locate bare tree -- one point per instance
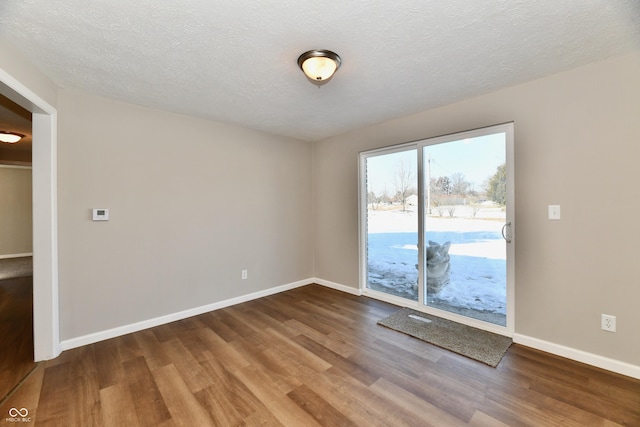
(459, 185)
(405, 179)
(372, 200)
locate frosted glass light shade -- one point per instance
(319, 65)
(319, 68)
(10, 137)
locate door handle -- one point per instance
(508, 236)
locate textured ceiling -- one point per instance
(235, 61)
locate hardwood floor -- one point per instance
(16, 332)
(312, 357)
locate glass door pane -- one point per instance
(391, 230)
(464, 215)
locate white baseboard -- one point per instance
(146, 324)
(15, 255)
(549, 347)
(336, 286)
(602, 362)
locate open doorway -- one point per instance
(16, 246)
(46, 328)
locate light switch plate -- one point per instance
(554, 211)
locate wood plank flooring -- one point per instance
(312, 356)
(16, 332)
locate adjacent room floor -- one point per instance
(307, 357)
(16, 332)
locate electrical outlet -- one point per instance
(608, 323)
(244, 274)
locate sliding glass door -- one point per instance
(437, 227)
(464, 215)
(391, 222)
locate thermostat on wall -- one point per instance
(101, 214)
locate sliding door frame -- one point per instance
(508, 130)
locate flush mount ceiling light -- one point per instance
(319, 65)
(10, 137)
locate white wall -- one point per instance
(192, 203)
(577, 144)
(13, 63)
(15, 210)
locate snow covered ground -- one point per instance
(478, 259)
